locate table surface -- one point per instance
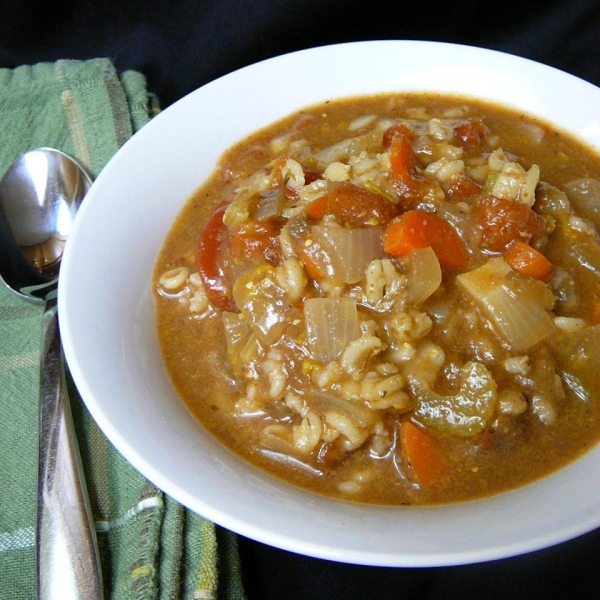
(182, 45)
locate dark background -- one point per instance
(182, 44)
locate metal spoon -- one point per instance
(39, 197)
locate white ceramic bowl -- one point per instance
(108, 329)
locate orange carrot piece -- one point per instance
(420, 455)
(318, 208)
(420, 229)
(527, 260)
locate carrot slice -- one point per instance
(421, 229)
(317, 209)
(420, 455)
(527, 260)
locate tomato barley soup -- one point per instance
(392, 299)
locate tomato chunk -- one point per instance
(470, 133)
(354, 207)
(409, 186)
(256, 241)
(212, 242)
(504, 221)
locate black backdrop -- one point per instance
(182, 44)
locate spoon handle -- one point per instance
(67, 552)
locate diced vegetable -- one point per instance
(504, 221)
(464, 414)
(424, 275)
(402, 156)
(551, 201)
(470, 133)
(578, 354)
(563, 286)
(353, 206)
(209, 254)
(276, 437)
(236, 330)
(421, 229)
(370, 142)
(256, 241)
(269, 204)
(584, 195)
(350, 250)
(421, 458)
(462, 187)
(524, 259)
(516, 314)
(355, 410)
(331, 324)
(395, 130)
(265, 305)
(315, 258)
(575, 247)
(408, 185)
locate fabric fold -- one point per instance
(151, 546)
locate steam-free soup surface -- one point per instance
(392, 299)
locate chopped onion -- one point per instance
(269, 205)
(515, 314)
(370, 142)
(276, 442)
(551, 201)
(350, 250)
(578, 355)
(354, 410)
(264, 304)
(236, 330)
(277, 438)
(534, 132)
(331, 324)
(584, 195)
(424, 275)
(574, 385)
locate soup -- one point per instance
(392, 299)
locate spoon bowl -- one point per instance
(39, 198)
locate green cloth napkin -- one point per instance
(151, 546)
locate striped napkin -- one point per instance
(151, 547)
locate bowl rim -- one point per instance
(73, 319)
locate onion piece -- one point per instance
(584, 195)
(578, 354)
(350, 250)
(264, 304)
(331, 324)
(370, 142)
(424, 275)
(236, 330)
(354, 410)
(270, 204)
(516, 315)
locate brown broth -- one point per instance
(195, 354)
